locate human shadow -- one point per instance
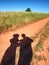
(9, 56)
(26, 52)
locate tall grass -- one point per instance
(10, 19)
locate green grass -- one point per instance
(11, 19)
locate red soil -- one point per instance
(29, 30)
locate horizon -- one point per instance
(41, 6)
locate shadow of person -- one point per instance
(9, 56)
(25, 51)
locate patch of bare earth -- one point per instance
(29, 30)
(45, 53)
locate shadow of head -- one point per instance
(23, 35)
(15, 39)
(26, 39)
(15, 36)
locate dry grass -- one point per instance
(16, 19)
(44, 33)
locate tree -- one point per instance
(28, 10)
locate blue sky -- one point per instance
(21, 5)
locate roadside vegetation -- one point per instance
(44, 33)
(17, 19)
(43, 36)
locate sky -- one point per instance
(22, 5)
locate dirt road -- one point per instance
(29, 30)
